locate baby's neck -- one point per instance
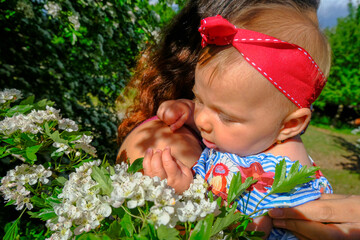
(292, 148)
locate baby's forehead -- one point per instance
(229, 67)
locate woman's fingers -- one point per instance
(332, 196)
(185, 170)
(328, 209)
(315, 230)
(147, 162)
(152, 164)
(171, 168)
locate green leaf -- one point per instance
(92, 236)
(230, 218)
(237, 188)
(114, 230)
(55, 136)
(202, 229)
(136, 166)
(127, 225)
(166, 233)
(152, 231)
(295, 177)
(44, 214)
(120, 212)
(43, 103)
(2, 152)
(102, 177)
(31, 152)
(19, 109)
(61, 180)
(280, 173)
(28, 100)
(38, 202)
(9, 141)
(12, 232)
(144, 233)
(11, 202)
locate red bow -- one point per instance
(287, 66)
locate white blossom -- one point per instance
(52, 8)
(8, 95)
(138, 199)
(207, 207)
(30, 123)
(13, 184)
(74, 19)
(68, 125)
(61, 147)
(159, 216)
(188, 212)
(84, 144)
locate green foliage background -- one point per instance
(340, 97)
(81, 68)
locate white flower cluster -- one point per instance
(13, 184)
(74, 19)
(84, 206)
(82, 143)
(52, 8)
(9, 95)
(169, 208)
(197, 206)
(29, 123)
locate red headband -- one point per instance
(287, 66)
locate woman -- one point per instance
(167, 72)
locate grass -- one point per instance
(334, 151)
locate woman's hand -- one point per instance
(176, 113)
(331, 217)
(163, 165)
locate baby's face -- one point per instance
(234, 110)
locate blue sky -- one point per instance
(330, 10)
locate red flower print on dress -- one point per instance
(265, 179)
(218, 181)
(318, 173)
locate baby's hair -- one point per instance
(279, 21)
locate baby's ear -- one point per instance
(295, 123)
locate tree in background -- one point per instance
(342, 92)
(78, 54)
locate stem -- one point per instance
(130, 213)
(258, 205)
(29, 187)
(186, 230)
(247, 202)
(22, 213)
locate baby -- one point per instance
(253, 93)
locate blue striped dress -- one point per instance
(218, 168)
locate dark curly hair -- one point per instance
(166, 71)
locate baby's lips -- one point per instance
(208, 144)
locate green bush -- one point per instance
(77, 53)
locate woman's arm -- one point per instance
(331, 217)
